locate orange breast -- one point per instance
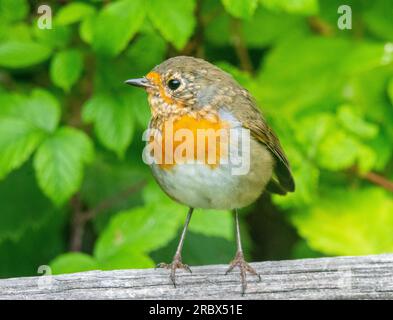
(188, 138)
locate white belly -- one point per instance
(201, 186)
(198, 185)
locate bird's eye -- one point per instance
(173, 84)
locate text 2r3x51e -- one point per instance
(218, 309)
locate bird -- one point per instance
(193, 96)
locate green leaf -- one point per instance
(383, 148)
(23, 207)
(366, 56)
(307, 176)
(301, 250)
(73, 12)
(66, 68)
(126, 258)
(348, 222)
(302, 158)
(59, 163)
(13, 54)
(73, 262)
(217, 34)
(141, 228)
(337, 143)
(298, 64)
(86, 29)
(369, 92)
(45, 232)
(240, 8)
(43, 110)
(324, 64)
(108, 177)
(378, 18)
(354, 123)
(213, 223)
(146, 51)
(199, 249)
(367, 158)
(340, 150)
(13, 10)
(57, 37)
(24, 123)
(116, 24)
(113, 121)
(20, 32)
(306, 7)
(173, 18)
(153, 194)
(140, 107)
(18, 140)
(275, 25)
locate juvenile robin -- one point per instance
(191, 95)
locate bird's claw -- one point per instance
(176, 264)
(244, 267)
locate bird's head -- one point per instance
(182, 83)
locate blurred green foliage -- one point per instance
(74, 192)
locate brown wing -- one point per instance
(243, 106)
(263, 133)
(253, 119)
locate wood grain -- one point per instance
(367, 277)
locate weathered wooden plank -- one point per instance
(368, 277)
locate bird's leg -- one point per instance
(177, 261)
(239, 261)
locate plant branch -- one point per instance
(77, 224)
(378, 180)
(240, 46)
(112, 201)
(195, 45)
(81, 217)
(319, 26)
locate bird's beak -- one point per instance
(140, 82)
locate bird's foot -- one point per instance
(176, 264)
(244, 268)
